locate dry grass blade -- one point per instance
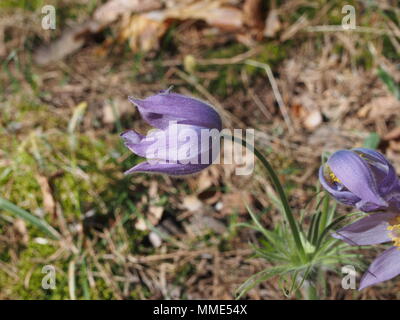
(275, 89)
(28, 217)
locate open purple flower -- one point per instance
(362, 178)
(182, 142)
(374, 229)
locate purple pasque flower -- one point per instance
(363, 178)
(374, 229)
(181, 144)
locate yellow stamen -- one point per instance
(394, 229)
(334, 178)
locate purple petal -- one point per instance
(135, 142)
(367, 231)
(345, 197)
(356, 176)
(385, 173)
(366, 206)
(393, 198)
(375, 155)
(174, 169)
(158, 110)
(178, 142)
(384, 267)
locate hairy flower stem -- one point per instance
(278, 186)
(324, 215)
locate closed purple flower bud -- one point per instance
(362, 178)
(182, 143)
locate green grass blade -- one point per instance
(325, 213)
(315, 232)
(311, 228)
(260, 277)
(372, 141)
(259, 226)
(390, 83)
(28, 217)
(329, 227)
(84, 280)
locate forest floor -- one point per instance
(153, 236)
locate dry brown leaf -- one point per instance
(202, 223)
(235, 202)
(144, 31)
(153, 217)
(393, 134)
(228, 18)
(272, 24)
(111, 10)
(253, 14)
(20, 228)
(215, 13)
(192, 203)
(380, 107)
(48, 200)
(74, 38)
(363, 112)
(204, 181)
(70, 41)
(155, 214)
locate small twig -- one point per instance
(71, 280)
(275, 89)
(300, 24)
(254, 96)
(103, 272)
(233, 60)
(216, 269)
(218, 61)
(178, 254)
